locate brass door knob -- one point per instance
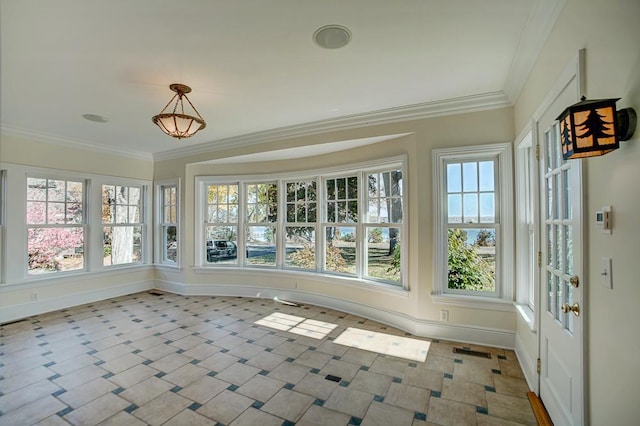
(574, 281)
(566, 308)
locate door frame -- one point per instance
(574, 70)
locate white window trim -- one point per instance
(503, 300)
(84, 225)
(15, 231)
(527, 202)
(158, 234)
(320, 174)
(146, 218)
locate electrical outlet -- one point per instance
(444, 315)
(34, 296)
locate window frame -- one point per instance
(361, 170)
(160, 247)
(142, 223)
(527, 208)
(202, 218)
(245, 225)
(502, 299)
(83, 224)
(284, 202)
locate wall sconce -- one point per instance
(592, 128)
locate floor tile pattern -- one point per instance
(165, 359)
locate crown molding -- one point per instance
(540, 23)
(71, 143)
(466, 104)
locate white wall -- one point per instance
(610, 33)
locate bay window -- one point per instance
(311, 222)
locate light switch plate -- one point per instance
(606, 272)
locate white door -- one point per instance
(561, 298)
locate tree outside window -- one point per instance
(471, 225)
(383, 224)
(300, 229)
(122, 224)
(55, 225)
(340, 231)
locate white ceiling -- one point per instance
(253, 66)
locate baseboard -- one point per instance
(527, 363)
(15, 312)
(419, 327)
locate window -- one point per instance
(300, 224)
(474, 238)
(384, 225)
(262, 216)
(339, 229)
(527, 245)
(221, 225)
(55, 221)
(122, 220)
(312, 223)
(168, 223)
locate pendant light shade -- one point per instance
(177, 123)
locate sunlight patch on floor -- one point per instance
(297, 325)
(387, 344)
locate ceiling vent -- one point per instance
(332, 36)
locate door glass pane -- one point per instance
(567, 193)
(558, 283)
(549, 245)
(550, 292)
(558, 247)
(568, 265)
(548, 151)
(555, 201)
(549, 199)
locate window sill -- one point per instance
(307, 275)
(66, 277)
(167, 267)
(527, 315)
(475, 302)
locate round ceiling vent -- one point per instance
(332, 36)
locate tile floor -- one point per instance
(191, 360)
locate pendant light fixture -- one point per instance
(176, 123)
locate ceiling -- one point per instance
(254, 68)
